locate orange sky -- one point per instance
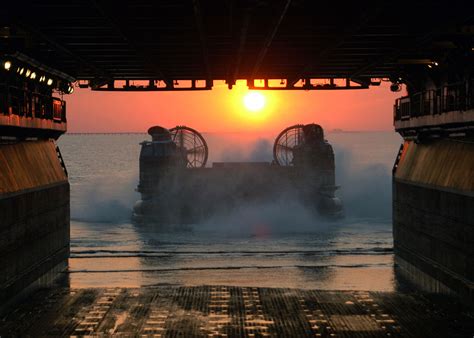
(223, 110)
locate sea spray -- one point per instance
(364, 189)
(107, 199)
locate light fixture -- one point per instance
(29, 70)
(7, 65)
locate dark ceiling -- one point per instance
(100, 40)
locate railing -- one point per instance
(454, 97)
(23, 102)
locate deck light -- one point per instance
(7, 65)
(20, 70)
(33, 76)
(70, 89)
(42, 78)
(49, 82)
(28, 72)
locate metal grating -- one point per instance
(226, 311)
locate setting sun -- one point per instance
(254, 101)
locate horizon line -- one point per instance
(335, 130)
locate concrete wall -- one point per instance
(34, 216)
(433, 216)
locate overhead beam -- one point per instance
(338, 40)
(417, 44)
(307, 85)
(101, 74)
(149, 63)
(269, 39)
(203, 39)
(393, 56)
(240, 51)
(151, 86)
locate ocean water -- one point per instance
(275, 244)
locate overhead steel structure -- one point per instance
(48, 47)
(186, 44)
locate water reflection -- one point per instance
(273, 247)
(345, 256)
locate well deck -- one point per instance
(222, 311)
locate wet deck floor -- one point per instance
(222, 311)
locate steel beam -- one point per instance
(309, 86)
(416, 44)
(337, 41)
(151, 87)
(203, 39)
(240, 51)
(150, 63)
(269, 39)
(101, 73)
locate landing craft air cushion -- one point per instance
(176, 187)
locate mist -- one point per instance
(365, 190)
(106, 199)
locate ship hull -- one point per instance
(194, 194)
